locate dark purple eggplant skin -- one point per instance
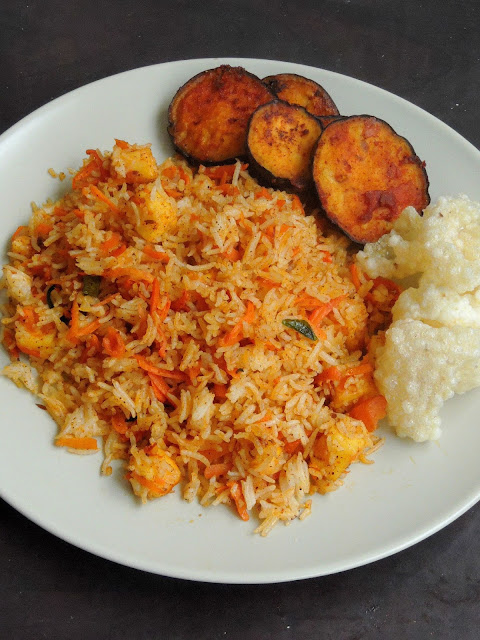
(279, 82)
(264, 176)
(192, 159)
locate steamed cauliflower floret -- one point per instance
(158, 214)
(134, 163)
(422, 366)
(432, 348)
(438, 306)
(443, 245)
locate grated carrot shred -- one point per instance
(237, 495)
(113, 343)
(156, 255)
(77, 443)
(19, 230)
(354, 271)
(216, 470)
(99, 195)
(163, 373)
(235, 334)
(112, 242)
(322, 312)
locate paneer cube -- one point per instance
(134, 163)
(157, 213)
(335, 450)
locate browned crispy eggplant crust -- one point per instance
(280, 141)
(302, 91)
(365, 175)
(326, 120)
(208, 115)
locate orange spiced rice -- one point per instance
(198, 329)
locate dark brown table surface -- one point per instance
(425, 51)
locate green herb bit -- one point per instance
(91, 285)
(301, 326)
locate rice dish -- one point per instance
(200, 330)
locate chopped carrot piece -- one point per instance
(43, 228)
(235, 334)
(118, 251)
(215, 454)
(329, 374)
(30, 352)
(308, 302)
(292, 447)
(327, 257)
(370, 411)
(216, 470)
(228, 189)
(220, 390)
(297, 204)
(223, 172)
(88, 328)
(164, 373)
(19, 231)
(112, 242)
(268, 284)
(105, 300)
(83, 173)
(99, 195)
(354, 271)
(193, 372)
(159, 386)
(237, 495)
(322, 312)
(155, 295)
(113, 343)
(157, 487)
(75, 331)
(10, 344)
(233, 255)
(249, 316)
(122, 144)
(156, 255)
(163, 312)
(180, 304)
(119, 424)
(77, 443)
(170, 172)
(268, 416)
(263, 193)
(173, 193)
(390, 285)
(359, 370)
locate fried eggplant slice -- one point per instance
(365, 175)
(296, 89)
(208, 116)
(280, 141)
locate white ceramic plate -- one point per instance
(409, 493)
